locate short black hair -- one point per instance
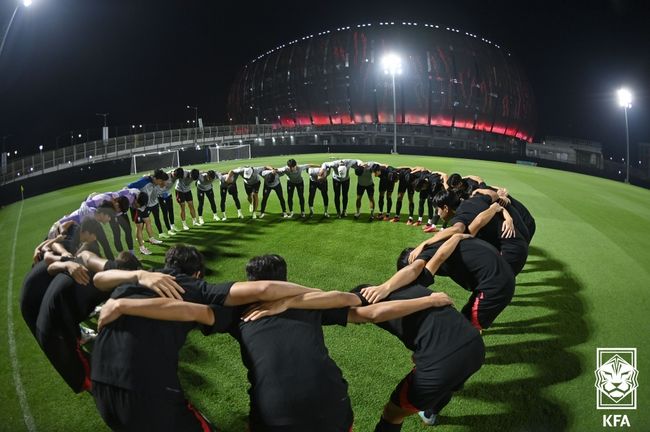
(266, 267)
(179, 172)
(454, 180)
(127, 261)
(91, 226)
(159, 174)
(448, 198)
(403, 258)
(123, 203)
(185, 259)
(212, 175)
(142, 199)
(292, 163)
(194, 174)
(358, 170)
(376, 167)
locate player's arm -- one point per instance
(155, 308)
(411, 272)
(58, 248)
(476, 178)
(260, 291)
(308, 300)
(76, 271)
(484, 218)
(162, 284)
(390, 310)
(457, 228)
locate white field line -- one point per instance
(18, 383)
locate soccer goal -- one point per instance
(230, 152)
(150, 161)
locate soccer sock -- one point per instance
(429, 221)
(398, 207)
(420, 219)
(384, 426)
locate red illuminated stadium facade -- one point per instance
(450, 79)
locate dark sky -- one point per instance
(145, 60)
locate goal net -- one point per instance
(230, 152)
(150, 161)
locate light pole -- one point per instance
(196, 120)
(625, 101)
(40, 149)
(392, 65)
(105, 129)
(25, 3)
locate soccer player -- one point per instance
(405, 186)
(341, 182)
(184, 193)
(166, 203)
(295, 385)
(120, 222)
(252, 182)
(135, 359)
(388, 176)
(317, 181)
(447, 350)
(228, 185)
(272, 183)
(102, 214)
(475, 265)
(203, 189)
(499, 229)
(293, 171)
(365, 183)
(427, 183)
(56, 296)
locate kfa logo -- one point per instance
(616, 378)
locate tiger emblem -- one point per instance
(616, 378)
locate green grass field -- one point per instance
(586, 285)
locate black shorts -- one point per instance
(182, 197)
(427, 385)
(515, 252)
(370, 189)
(139, 215)
(252, 188)
(165, 410)
(338, 419)
(386, 185)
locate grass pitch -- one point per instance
(585, 286)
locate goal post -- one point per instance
(229, 152)
(150, 161)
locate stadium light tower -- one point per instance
(392, 65)
(196, 120)
(625, 101)
(24, 3)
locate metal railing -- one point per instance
(127, 145)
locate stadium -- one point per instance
(460, 104)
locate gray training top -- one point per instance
(295, 177)
(334, 166)
(366, 179)
(204, 183)
(184, 184)
(254, 178)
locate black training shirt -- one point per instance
(141, 354)
(432, 334)
(293, 379)
(475, 264)
(467, 212)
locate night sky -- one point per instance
(143, 61)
